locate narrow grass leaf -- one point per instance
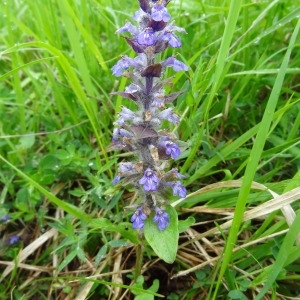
(254, 159)
(67, 260)
(34, 62)
(88, 39)
(231, 21)
(286, 249)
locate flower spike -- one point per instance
(138, 129)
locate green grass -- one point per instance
(240, 117)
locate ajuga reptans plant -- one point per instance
(140, 131)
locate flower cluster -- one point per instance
(140, 131)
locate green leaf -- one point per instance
(155, 285)
(144, 294)
(164, 243)
(69, 208)
(183, 225)
(236, 294)
(101, 253)
(67, 260)
(49, 162)
(64, 156)
(80, 254)
(26, 141)
(144, 297)
(118, 243)
(100, 223)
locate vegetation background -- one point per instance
(240, 116)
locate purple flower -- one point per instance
(5, 218)
(120, 133)
(128, 27)
(116, 179)
(123, 64)
(137, 15)
(132, 88)
(176, 64)
(179, 189)
(161, 218)
(147, 37)
(171, 38)
(149, 181)
(138, 218)
(167, 114)
(13, 239)
(174, 174)
(160, 13)
(126, 167)
(172, 149)
(125, 115)
(158, 100)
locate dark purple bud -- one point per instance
(149, 181)
(161, 218)
(179, 189)
(176, 64)
(157, 26)
(145, 5)
(13, 239)
(138, 219)
(135, 45)
(128, 27)
(152, 71)
(116, 179)
(147, 37)
(160, 13)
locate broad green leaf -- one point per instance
(49, 161)
(164, 243)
